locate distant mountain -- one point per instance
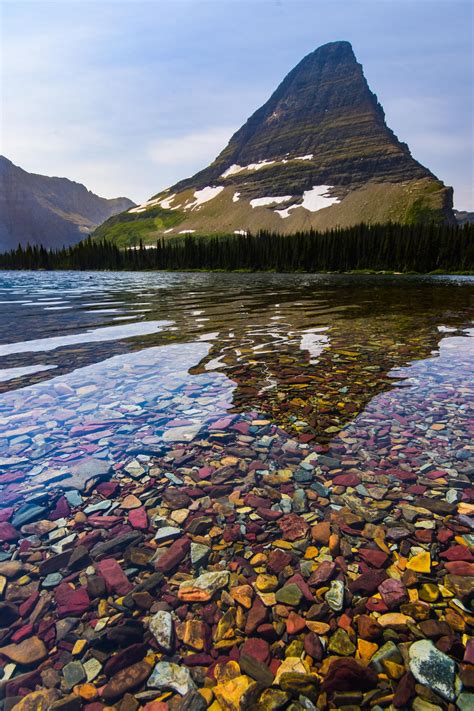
(49, 211)
(462, 216)
(317, 154)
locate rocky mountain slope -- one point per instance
(49, 211)
(317, 154)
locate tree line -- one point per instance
(390, 247)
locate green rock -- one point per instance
(289, 595)
(341, 644)
(73, 673)
(294, 649)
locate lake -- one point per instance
(324, 420)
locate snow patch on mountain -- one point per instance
(313, 200)
(204, 195)
(261, 202)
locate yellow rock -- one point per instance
(86, 691)
(311, 552)
(207, 695)
(243, 594)
(280, 543)
(365, 649)
(413, 595)
(37, 701)
(79, 646)
(465, 508)
(318, 627)
(229, 694)
(266, 583)
(225, 672)
(24, 580)
(102, 608)
(394, 670)
(3, 583)
(293, 665)
(421, 563)
(258, 559)
(429, 592)
(394, 619)
(268, 599)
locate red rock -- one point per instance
(375, 604)
(114, 577)
(444, 535)
(293, 527)
(367, 583)
(232, 533)
(460, 567)
(107, 488)
(257, 649)
(27, 607)
(71, 602)
(346, 675)
(8, 534)
(404, 691)
(350, 479)
(295, 623)
(22, 633)
(424, 536)
(277, 560)
(124, 658)
(61, 510)
(313, 646)
(138, 518)
(6, 514)
(269, 515)
(457, 553)
(174, 555)
(156, 706)
(393, 593)
(322, 574)
(373, 556)
(368, 628)
(256, 616)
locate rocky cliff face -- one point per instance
(49, 211)
(318, 154)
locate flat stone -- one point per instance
(289, 595)
(30, 651)
(202, 588)
(125, 680)
(73, 674)
(433, 668)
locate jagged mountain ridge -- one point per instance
(318, 154)
(37, 209)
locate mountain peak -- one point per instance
(317, 153)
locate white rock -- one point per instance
(432, 668)
(167, 675)
(161, 627)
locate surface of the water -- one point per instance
(115, 366)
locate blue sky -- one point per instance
(128, 96)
